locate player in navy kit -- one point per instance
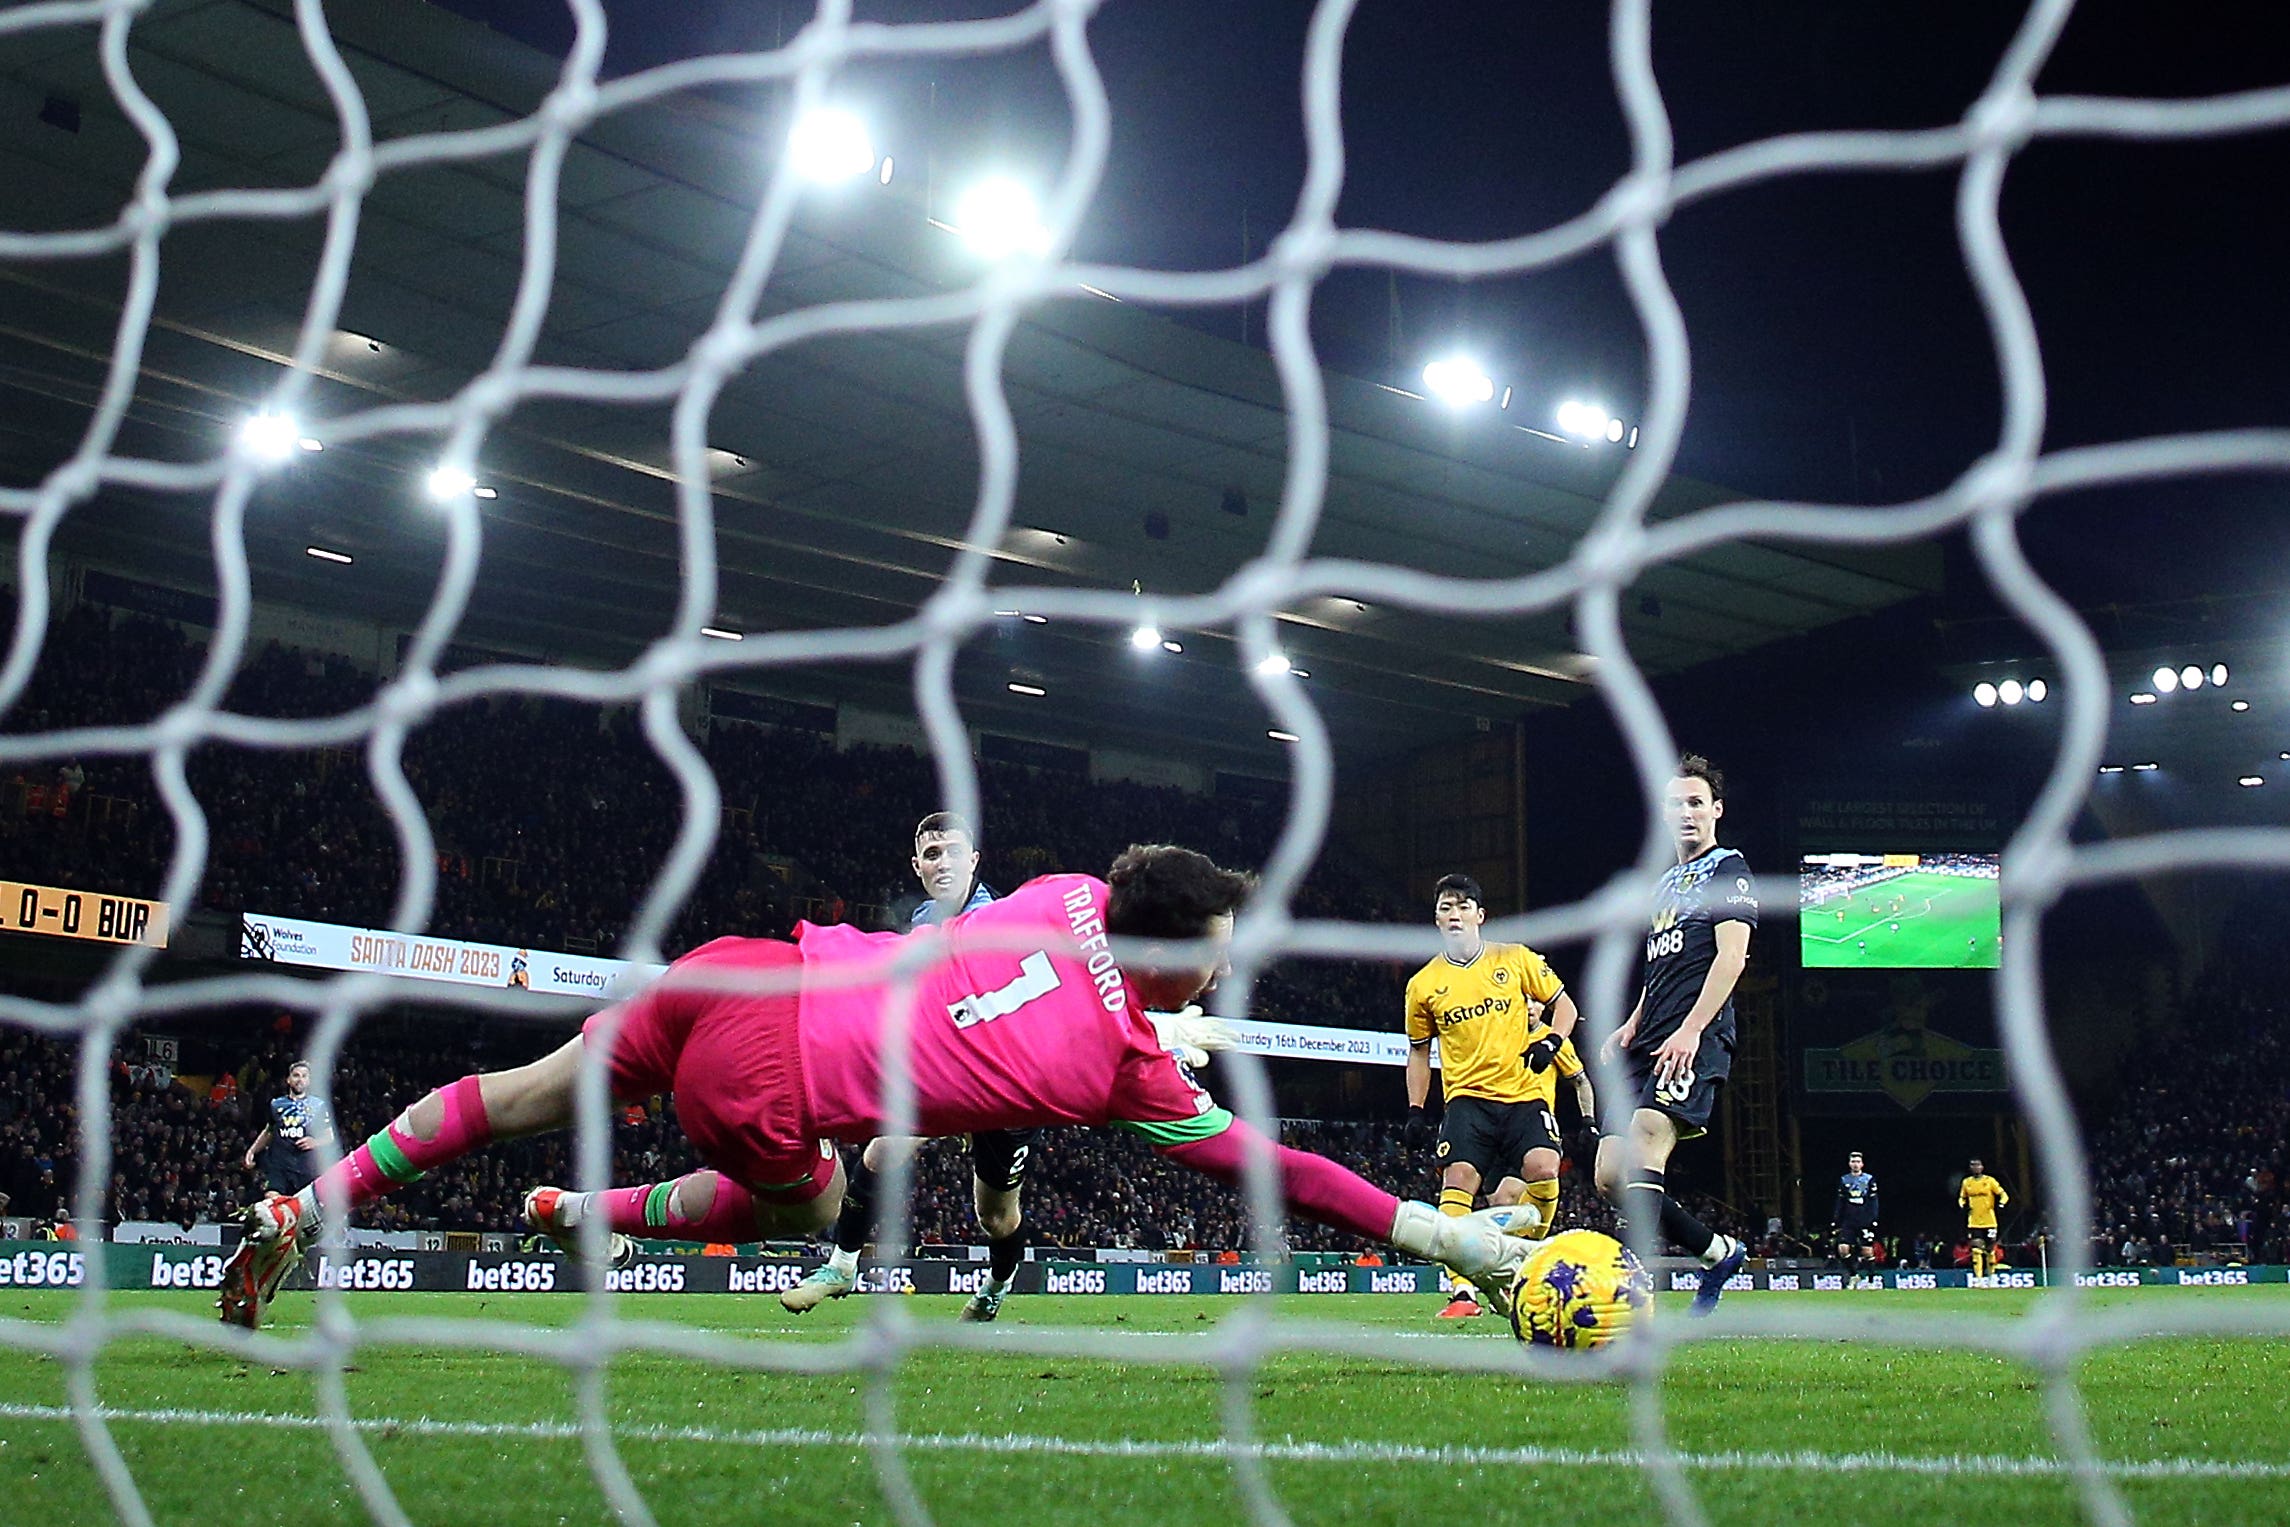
(1856, 1216)
(946, 862)
(287, 1148)
(1676, 1048)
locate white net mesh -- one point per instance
(1619, 546)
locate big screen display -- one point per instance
(1892, 911)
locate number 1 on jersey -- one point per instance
(1036, 978)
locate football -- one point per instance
(1580, 1289)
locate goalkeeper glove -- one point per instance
(1540, 1055)
(1190, 1035)
(1417, 1132)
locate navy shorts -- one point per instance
(1692, 1100)
(1000, 1156)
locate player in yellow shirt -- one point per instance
(1980, 1198)
(1485, 1003)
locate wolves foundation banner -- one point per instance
(416, 957)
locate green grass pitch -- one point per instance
(1013, 1439)
(1919, 920)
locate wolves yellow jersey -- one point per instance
(1543, 1089)
(1980, 1197)
(1478, 1012)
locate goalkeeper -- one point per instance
(1023, 1017)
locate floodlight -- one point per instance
(830, 145)
(311, 443)
(1280, 736)
(2145, 768)
(1458, 382)
(2190, 677)
(269, 437)
(1984, 694)
(883, 175)
(999, 218)
(1035, 620)
(2239, 705)
(721, 635)
(1145, 638)
(450, 483)
(2111, 768)
(2218, 674)
(2143, 698)
(327, 554)
(1614, 431)
(1034, 690)
(2038, 690)
(2010, 692)
(2249, 780)
(1587, 421)
(2166, 680)
(1172, 646)
(1273, 666)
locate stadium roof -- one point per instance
(847, 466)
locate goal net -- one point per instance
(750, 319)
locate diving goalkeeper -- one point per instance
(1026, 1019)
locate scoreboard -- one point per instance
(81, 914)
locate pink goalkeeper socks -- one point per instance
(652, 1210)
(396, 1156)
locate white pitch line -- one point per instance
(1992, 1465)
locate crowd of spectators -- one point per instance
(551, 819)
(2193, 1154)
(178, 1145)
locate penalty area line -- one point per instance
(1991, 1465)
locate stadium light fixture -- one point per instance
(2239, 705)
(2143, 698)
(2038, 691)
(1035, 620)
(1984, 695)
(2251, 781)
(2218, 674)
(1035, 690)
(1172, 646)
(830, 145)
(448, 483)
(722, 635)
(1278, 735)
(883, 175)
(1274, 666)
(2010, 692)
(1588, 422)
(269, 437)
(325, 554)
(2111, 768)
(2145, 768)
(2286, 757)
(1458, 381)
(2166, 680)
(482, 492)
(2190, 677)
(311, 443)
(1145, 638)
(999, 218)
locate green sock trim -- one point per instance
(656, 1205)
(391, 1160)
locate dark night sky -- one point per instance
(1838, 349)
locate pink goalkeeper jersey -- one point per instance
(1041, 1030)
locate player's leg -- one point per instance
(1470, 1154)
(1538, 1169)
(839, 1274)
(1646, 1200)
(706, 1205)
(443, 1126)
(998, 1160)
(1475, 1246)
